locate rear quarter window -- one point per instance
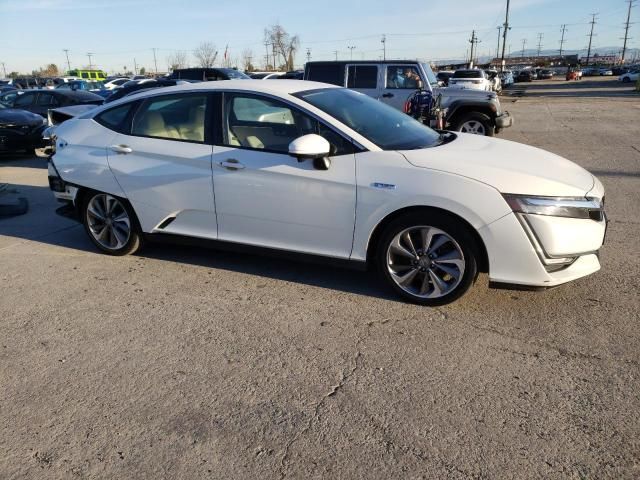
(115, 118)
(326, 73)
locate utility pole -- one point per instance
(474, 42)
(308, 54)
(540, 35)
(90, 64)
(66, 51)
(351, 48)
(498, 49)
(266, 61)
(335, 52)
(524, 42)
(4, 70)
(504, 35)
(592, 22)
(626, 30)
(564, 29)
(135, 67)
(384, 47)
(155, 62)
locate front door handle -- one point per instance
(121, 149)
(387, 95)
(232, 164)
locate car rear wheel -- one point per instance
(475, 123)
(110, 223)
(626, 79)
(429, 258)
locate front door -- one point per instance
(266, 197)
(164, 165)
(400, 81)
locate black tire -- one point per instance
(453, 228)
(133, 239)
(484, 120)
(626, 80)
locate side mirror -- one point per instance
(311, 147)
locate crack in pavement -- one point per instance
(344, 378)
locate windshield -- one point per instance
(231, 73)
(431, 77)
(468, 74)
(388, 128)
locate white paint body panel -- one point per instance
(561, 236)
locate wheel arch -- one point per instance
(376, 234)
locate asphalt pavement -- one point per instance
(192, 363)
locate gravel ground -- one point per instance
(192, 363)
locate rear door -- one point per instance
(400, 81)
(163, 164)
(44, 102)
(364, 79)
(26, 101)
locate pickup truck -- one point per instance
(394, 81)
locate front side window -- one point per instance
(388, 128)
(267, 124)
(175, 117)
(402, 76)
(24, 100)
(362, 76)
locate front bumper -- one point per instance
(504, 120)
(518, 258)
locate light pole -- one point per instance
(155, 62)
(4, 70)
(90, 64)
(384, 47)
(351, 49)
(66, 51)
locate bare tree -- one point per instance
(178, 59)
(247, 57)
(284, 46)
(206, 54)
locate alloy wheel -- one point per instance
(108, 221)
(425, 262)
(473, 126)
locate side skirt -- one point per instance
(168, 238)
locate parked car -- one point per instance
(467, 110)
(631, 76)
(93, 87)
(473, 78)
(7, 97)
(506, 77)
(363, 183)
(545, 74)
(605, 72)
(292, 75)
(444, 76)
(115, 82)
(265, 75)
(20, 130)
(7, 88)
(617, 71)
(206, 74)
(590, 71)
(136, 86)
(525, 76)
(40, 101)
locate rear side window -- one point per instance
(47, 100)
(362, 76)
(175, 117)
(326, 73)
(114, 118)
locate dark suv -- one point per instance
(206, 74)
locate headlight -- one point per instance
(572, 207)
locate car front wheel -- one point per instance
(429, 259)
(110, 223)
(475, 123)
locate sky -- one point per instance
(34, 33)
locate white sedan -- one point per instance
(631, 76)
(307, 168)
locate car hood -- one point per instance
(15, 116)
(509, 167)
(470, 93)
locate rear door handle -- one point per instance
(387, 95)
(232, 164)
(121, 149)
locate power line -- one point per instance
(626, 29)
(592, 22)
